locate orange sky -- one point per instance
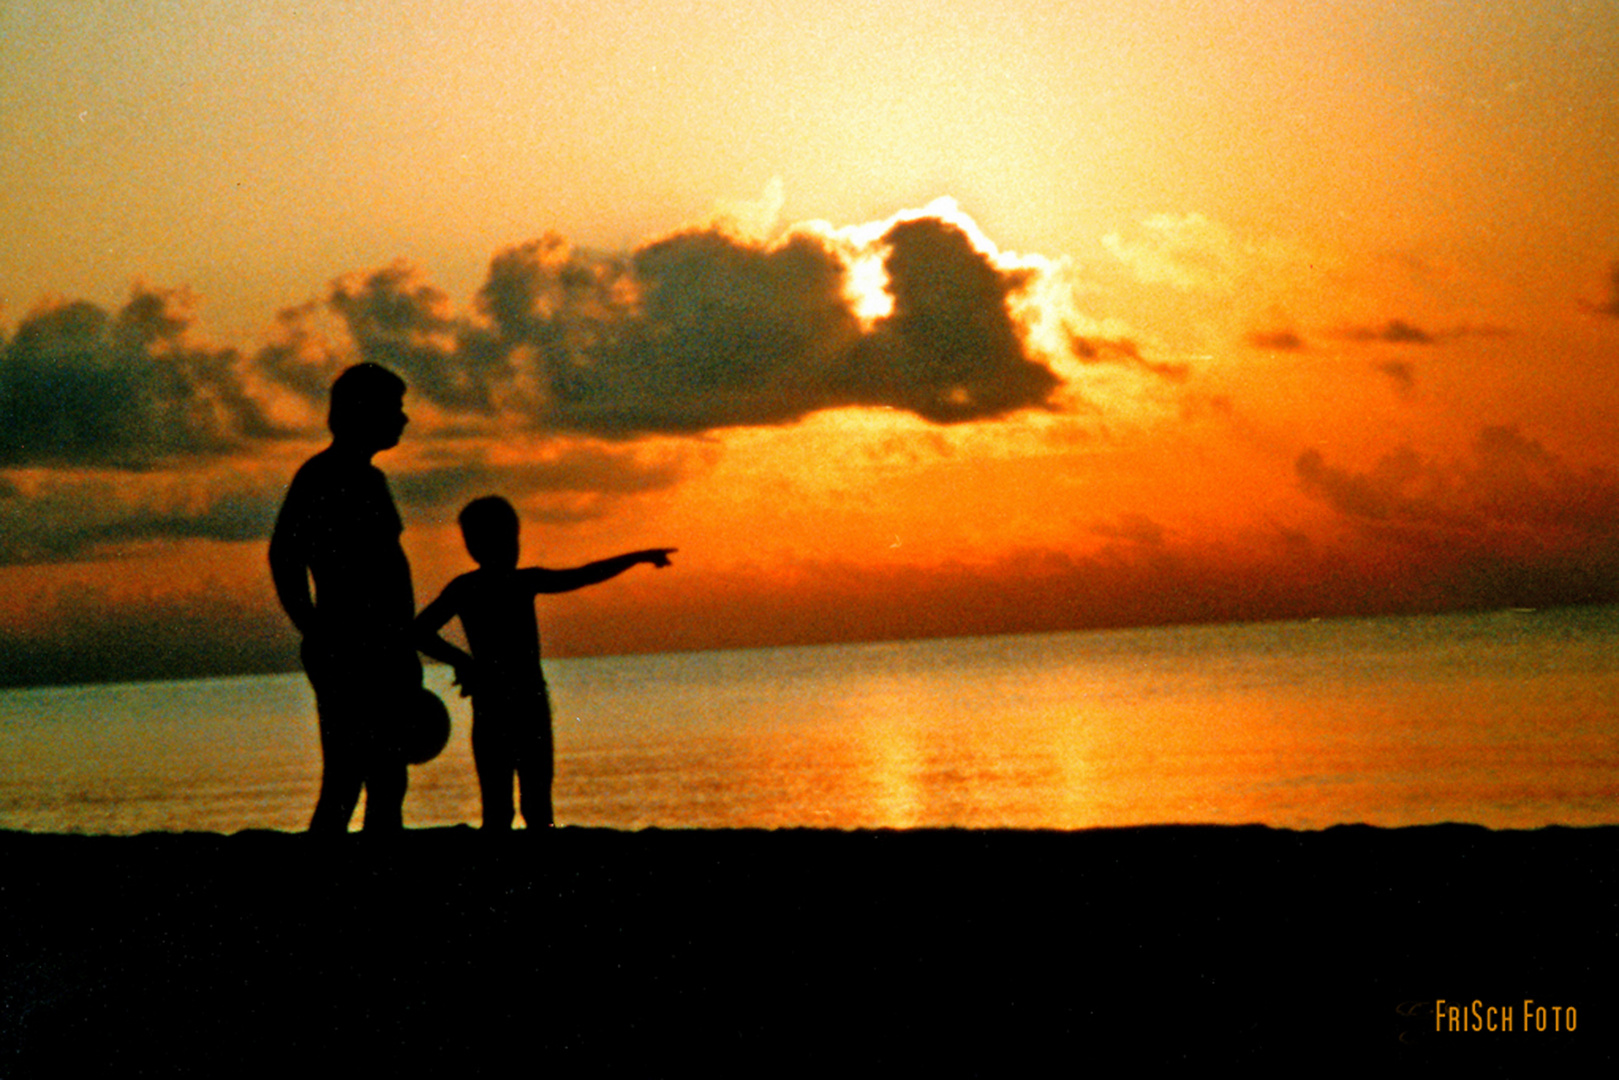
(895, 319)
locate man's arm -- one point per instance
(541, 580)
(290, 572)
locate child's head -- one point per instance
(489, 527)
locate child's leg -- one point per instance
(536, 771)
(492, 758)
(536, 767)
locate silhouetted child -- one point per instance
(511, 711)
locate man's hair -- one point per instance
(486, 519)
(360, 388)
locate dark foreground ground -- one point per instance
(591, 952)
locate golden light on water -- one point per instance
(1288, 725)
(890, 762)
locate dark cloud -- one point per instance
(1138, 529)
(1401, 373)
(69, 515)
(1124, 352)
(1145, 580)
(694, 332)
(1277, 340)
(1610, 306)
(96, 636)
(65, 515)
(1392, 332)
(1401, 332)
(1512, 526)
(703, 330)
(1144, 576)
(697, 331)
(407, 325)
(300, 358)
(950, 350)
(586, 477)
(1365, 497)
(1395, 332)
(1513, 501)
(233, 517)
(82, 387)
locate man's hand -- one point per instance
(314, 631)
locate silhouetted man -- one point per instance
(339, 526)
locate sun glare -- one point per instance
(864, 253)
(866, 288)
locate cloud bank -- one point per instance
(701, 330)
(706, 330)
(55, 517)
(575, 357)
(1513, 525)
(82, 387)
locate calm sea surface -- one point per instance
(1506, 719)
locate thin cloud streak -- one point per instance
(1277, 340)
(1404, 332)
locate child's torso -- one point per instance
(503, 634)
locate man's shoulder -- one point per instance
(332, 487)
(329, 479)
(328, 469)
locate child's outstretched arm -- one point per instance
(542, 580)
(429, 641)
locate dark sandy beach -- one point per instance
(592, 952)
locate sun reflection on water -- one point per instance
(1388, 722)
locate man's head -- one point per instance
(489, 526)
(368, 408)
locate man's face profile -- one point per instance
(390, 422)
(375, 423)
(368, 408)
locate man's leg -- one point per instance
(342, 741)
(342, 774)
(385, 784)
(386, 777)
(386, 695)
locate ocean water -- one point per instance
(1508, 719)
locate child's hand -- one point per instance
(658, 557)
(466, 677)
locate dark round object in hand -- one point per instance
(425, 729)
